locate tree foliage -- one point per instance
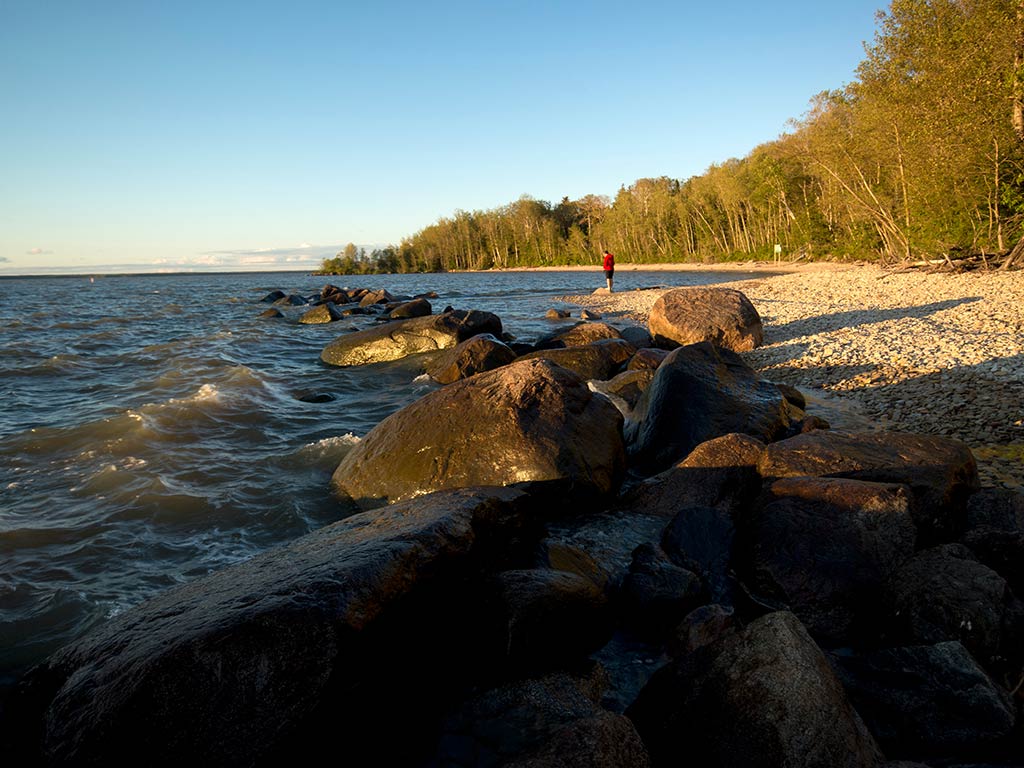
(922, 153)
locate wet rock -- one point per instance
(589, 314)
(811, 423)
(324, 313)
(480, 353)
(826, 549)
(549, 721)
(656, 592)
(314, 397)
(925, 699)
(401, 338)
(648, 357)
(427, 295)
(765, 696)
(544, 619)
(793, 395)
(556, 314)
(350, 311)
(271, 313)
(291, 300)
(597, 360)
(530, 421)
(273, 296)
(256, 659)
(940, 472)
(701, 392)
(414, 308)
(376, 297)
(559, 556)
(722, 316)
(943, 594)
(577, 335)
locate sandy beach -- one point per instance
(911, 351)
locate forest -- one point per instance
(920, 156)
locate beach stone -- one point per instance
(925, 698)
(577, 335)
(596, 360)
(764, 696)
(324, 313)
(480, 353)
(722, 316)
(941, 472)
(542, 722)
(530, 421)
(556, 314)
(648, 357)
(826, 549)
(414, 308)
(401, 338)
(543, 619)
(271, 313)
(256, 658)
(273, 296)
(943, 594)
(700, 392)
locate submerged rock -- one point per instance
(327, 312)
(722, 316)
(530, 421)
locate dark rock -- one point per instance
(700, 539)
(944, 594)
(722, 316)
(637, 336)
(530, 421)
(765, 696)
(271, 313)
(273, 296)
(324, 313)
(556, 314)
(520, 347)
(656, 593)
(550, 721)
(577, 335)
(995, 533)
(940, 472)
(349, 311)
(314, 397)
(427, 295)
(544, 619)
(291, 300)
(701, 392)
(925, 699)
(826, 548)
(792, 395)
(376, 297)
(598, 360)
(648, 357)
(589, 314)
(408, 337)
(811, 423)
(414, 308)
(475, 355)
(701, 627)
(624, 389)
(559, 556)
(258, 658)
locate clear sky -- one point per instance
(146, 135)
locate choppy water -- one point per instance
(155, 429)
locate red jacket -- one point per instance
(609, 261)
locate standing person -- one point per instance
(609, 269)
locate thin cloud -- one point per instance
(37, 252)
(303, 251)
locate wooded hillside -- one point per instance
(922, 155)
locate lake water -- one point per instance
(154, 428)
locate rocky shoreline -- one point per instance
(938, 354)
(616, 547)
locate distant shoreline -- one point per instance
(725, 266)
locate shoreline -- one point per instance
(780, 267)
(938, 354)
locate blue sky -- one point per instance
(147, 136)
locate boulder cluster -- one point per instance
(588, 551)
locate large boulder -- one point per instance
(826, 549)
(925, 699)
(722, 316)
(529, 421)
(401, 338)
(765, 696)
(941, 472)
(544, 722)
(577, 335)
(256, 659)
(598, 360)
(700, 392)
(475, 355)
(327, 312)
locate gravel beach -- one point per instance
(910, 351)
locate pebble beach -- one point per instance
(910, 351)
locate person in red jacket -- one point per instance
(609, 269)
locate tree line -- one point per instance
(922, 155)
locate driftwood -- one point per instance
(951, 262)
